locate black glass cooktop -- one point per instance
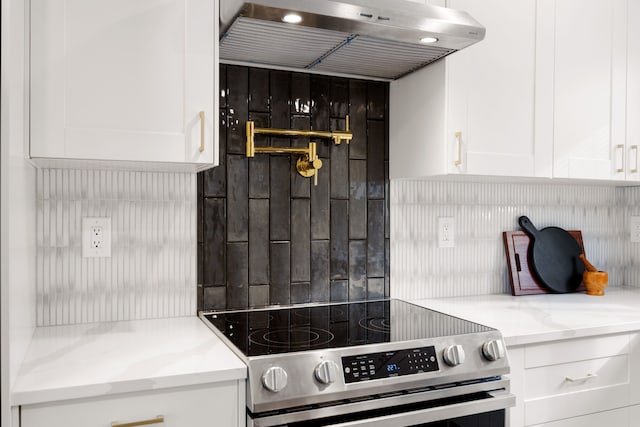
(282, 330)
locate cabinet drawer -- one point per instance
(545, 354)
(576, 377)
(615, 418)
(196, 406)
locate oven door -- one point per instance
(464, 403)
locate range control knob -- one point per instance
(274, 379)
(453, 355)
(326, 372)
(493, 350)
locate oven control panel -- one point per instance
(389, 364)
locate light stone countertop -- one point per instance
(528, 319)
(99, 359)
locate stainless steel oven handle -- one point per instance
(500, 400)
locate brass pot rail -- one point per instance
(308, 163)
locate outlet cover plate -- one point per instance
(96, 237)
(446, 232)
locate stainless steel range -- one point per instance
(376, 363)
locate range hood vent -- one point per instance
(343, 37)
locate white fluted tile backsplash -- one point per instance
(152, 270)
(482, 211)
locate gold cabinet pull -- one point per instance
(620, 150)
(201, 131)
(157, 420)
(634, 148)
(458, 160)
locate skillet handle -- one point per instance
(528, 226)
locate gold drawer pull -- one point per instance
(157, 420)
(585, 378)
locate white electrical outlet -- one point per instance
(446, 232)
(96, 237)
(634, 225)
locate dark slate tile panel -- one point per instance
(237, 275)
(376, 99)
(253, 247)
(375, 288)
(375, 238)
(214, 246)
(300, 93)
(279, 223)
(279, 292)
(358, 117)
(237, 108)
(258, 241)
(320, 106)
(215, 179)
(339, 171)
(260, 120)
(357, 199)
(375, 159)
(300, 240)
(237, 199)
(299, 293)
(215, 298)
(258, 296)
(339, 239)
(223, 86)
(259, 90)
(339, 97)
(320, 255)
(357, 270)
(339, 290)
(320, 203)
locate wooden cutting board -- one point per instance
(521, 277)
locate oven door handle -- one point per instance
(500, 399)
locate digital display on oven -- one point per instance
(388, 364)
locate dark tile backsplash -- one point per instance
(269, 236)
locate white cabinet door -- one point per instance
(491, 91)
(633, 91)
(473, 112)
(589, 89)
(196, 406)
(121, 80)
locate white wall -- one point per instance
(18, 208)
(482, 211)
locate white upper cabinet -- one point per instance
(589, 50)
(473, 112)
(123, 81)
(633, 91)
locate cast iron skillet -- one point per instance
(554, 257)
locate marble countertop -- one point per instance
(538, 318)
(98, 359)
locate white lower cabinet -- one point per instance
(220, 404)
(577, 382)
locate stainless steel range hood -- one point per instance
(372, 38)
